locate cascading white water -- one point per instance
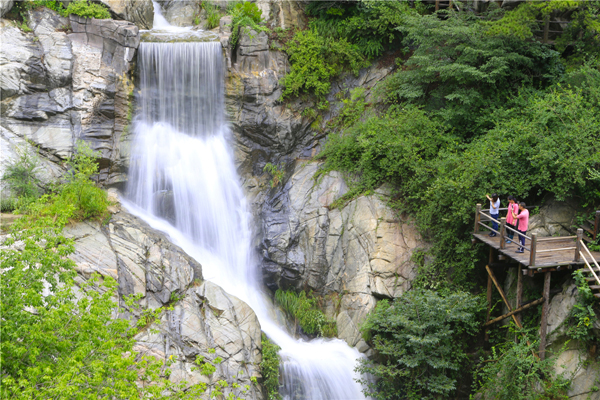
(183, 181)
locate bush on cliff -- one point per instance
(420, 340)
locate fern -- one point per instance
(246, 16)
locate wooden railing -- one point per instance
(587, 263)
(533, 240)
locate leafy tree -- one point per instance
(59, 340)
(420, 340)
(370, 25)
(461, 73)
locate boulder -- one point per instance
(140, 12)
(203, 317)
(554, 218)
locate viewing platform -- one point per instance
(540, 253)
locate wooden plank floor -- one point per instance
(542, 260)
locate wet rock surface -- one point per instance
(203, 316)
(65, 81)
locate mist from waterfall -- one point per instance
(183, 181)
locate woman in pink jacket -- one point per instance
(523, 218)
(511, 222)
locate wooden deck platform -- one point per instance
(542, 259)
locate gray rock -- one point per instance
(140, 12)
(58, 88)
(180, 12)
(554, 218)
(203, 317)
(362, 251)
(5, 6)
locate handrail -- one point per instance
(547, 239)
(508, 227)
(587, 263)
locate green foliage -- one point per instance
(461, 74)
(582, 316)
(61, 341)
(269, 368)
(315, 59)
(87, 9)
(20, 176)
(245, 15)
(277, 174)
(83, 8)
(306, 312)
(370, 25)
(213, 15)
(89, 200)
(420, 340)
(546, 144)
(513, 372)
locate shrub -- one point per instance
(420, 341)
(269, 368)
(245, 15)
(513, 372)
(20, 175)
(89, 200)
(83, 8)
(582, 315)
(86, 9)
(306, 313)
(315, 59)
(276, 173)
(213, 16)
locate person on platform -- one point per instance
(494, 212)
(511, 222)
(523, 220)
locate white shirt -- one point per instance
(497, 205)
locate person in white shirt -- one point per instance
(494, 211)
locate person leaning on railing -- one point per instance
(523, 219)
(511, 222)
(494, 211)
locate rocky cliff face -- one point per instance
(204, 316)
(67, 80)
(572, 359)
(140, 12)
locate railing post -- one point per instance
(578, 244)
(502, 232)
(597, 225)
(533, 249)
(477, 217)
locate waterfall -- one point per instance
(183, 181)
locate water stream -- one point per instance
(183, 181)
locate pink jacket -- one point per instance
(514, 207)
